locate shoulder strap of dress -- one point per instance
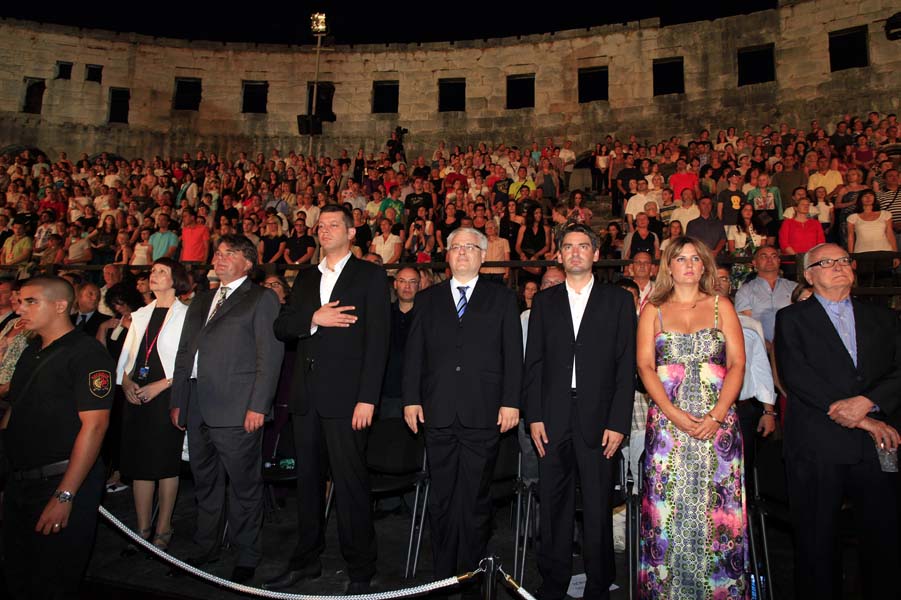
(716, 310)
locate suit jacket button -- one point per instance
(459, 369)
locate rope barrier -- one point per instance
(418, 590)
(513, 585)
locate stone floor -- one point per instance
(111, 576)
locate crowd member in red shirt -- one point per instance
(195, 238)
(683, 179)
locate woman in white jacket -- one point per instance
(151, 445)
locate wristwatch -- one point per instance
(63, 496)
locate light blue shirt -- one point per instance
(758, 381)
(842, 316)
(764, 302)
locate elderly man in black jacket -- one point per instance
(462, 376)
(840, 361)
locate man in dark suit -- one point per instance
(340, 313)
(226, 372)
(462, 378)
(87, 317)
(578, 391)
(840, 361)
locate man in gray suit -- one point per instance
(226, 372)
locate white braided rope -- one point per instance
(513, 585)
(418, 590)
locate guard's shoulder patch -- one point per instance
(100, 383)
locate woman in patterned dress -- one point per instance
(691, 360)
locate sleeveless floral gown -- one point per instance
(693, 542)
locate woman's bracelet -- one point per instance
(770, 413)
(714, 419)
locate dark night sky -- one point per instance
(349, 22)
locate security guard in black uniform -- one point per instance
(61, 393)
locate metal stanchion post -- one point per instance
(489, 577)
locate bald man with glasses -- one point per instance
(840, 361)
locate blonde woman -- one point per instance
(691, 357)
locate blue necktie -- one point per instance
(461, 305)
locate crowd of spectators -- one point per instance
(771, 196)
(802, 186)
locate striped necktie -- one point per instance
(461, 305)
(223, 292)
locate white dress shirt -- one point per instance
(577, 303)
(455, 293)
(327, 282)
(231, 290)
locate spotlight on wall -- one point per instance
(893, 27)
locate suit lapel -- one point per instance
(233, 299)
(344, 279)
(205, 301)
(475, 300)
(822, 323)
(447, 300)
(564, 311)
(861, 327)
(310, 280)
(594, 297)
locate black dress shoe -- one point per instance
(356, 588)
(288, 578)
(242, 574)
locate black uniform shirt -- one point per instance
(79, 376)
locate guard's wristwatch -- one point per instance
(63, 496)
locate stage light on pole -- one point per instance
(318, 28)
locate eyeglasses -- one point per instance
(827, 263)
(272, 285)
(463, 247)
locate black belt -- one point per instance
(45, 472)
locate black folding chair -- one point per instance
(770, 501)
(530, 494)
(395, 457)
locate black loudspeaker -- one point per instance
(309, 124)
(893, 27)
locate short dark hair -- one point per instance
(241, 244)
(55, 287)
(123, 293)
(578, 228)
(628, 284)
(335, 208)
(181, 281)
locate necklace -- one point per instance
(693, 303)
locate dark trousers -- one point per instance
(332, 446)
(749, 413)
(816, 492)
(461, 466)
(38, 566)
(569, 460)
(227, 457)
